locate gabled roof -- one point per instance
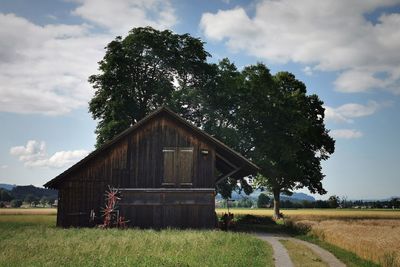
(244, 167)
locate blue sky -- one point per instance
(344, 51)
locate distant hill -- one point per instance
(296, 197)
(21, 191)
(8, 187)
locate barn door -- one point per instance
(178, 166)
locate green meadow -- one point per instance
(33, 240)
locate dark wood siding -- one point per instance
(138, 161)
(182, 208)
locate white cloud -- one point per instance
(33, 150)
(308, 70)
(3, 166)
(34, 154)
(346, 134)
(44, 69)
(356, 80)
(324, 35)
(121, 16)
(347, 112)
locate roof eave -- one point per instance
(54, 182)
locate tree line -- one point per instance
(30, 194)
(333, 202)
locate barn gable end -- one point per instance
(165, 168)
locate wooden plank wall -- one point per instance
(136, 161)
(181, 209)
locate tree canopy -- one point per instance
(263, 201)
(146, 69)
(272, 120)
(287, 131)
(268, 118)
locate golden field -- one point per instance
(300, 214)
(29, 211)
(375, 240)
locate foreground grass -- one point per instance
(301, 255)
(32, 240)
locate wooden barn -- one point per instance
(165, 168)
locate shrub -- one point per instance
(16, 203)
(5, 195)
(263, 201)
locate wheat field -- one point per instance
(377, 240)
(29, 211)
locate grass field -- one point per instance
(33, 240)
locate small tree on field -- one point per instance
(321, 204)
(16, 203)
(344, 203)
(395, 202)
(263, 201)
(334, 201)
(245, 203)
(44, 201)
(30, 199)
(5, 195)
(307, 204)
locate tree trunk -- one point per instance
(277, 214)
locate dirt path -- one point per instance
(281, 256)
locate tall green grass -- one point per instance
(32, 240)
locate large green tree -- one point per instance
(268, 118)
(218, 103)
(288, 135)
(146, 69)
(272, 120)
(150, 68)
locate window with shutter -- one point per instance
(169, 166)
(185, 164)
(178, 165)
